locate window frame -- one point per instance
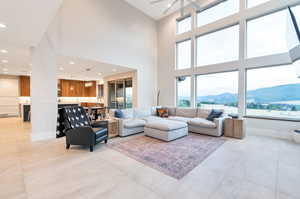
(176, 54)
(191, 91)
(246, 94)
(243, 63)
(212, 73)
(178, 20)
(205, 9)
(196, 64)
(246, 32)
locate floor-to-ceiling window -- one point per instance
(218, 47)
(274, 91)
(266, 38)
(183, 91)
(220, 60)
(184, 24)
(183, 54)
(218, 12)
(218, 91)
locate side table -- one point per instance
(234, 128)
(113, 128)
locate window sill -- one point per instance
(272, 118)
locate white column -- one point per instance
(43, 91)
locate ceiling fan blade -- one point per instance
(156, 1)
(171, 5)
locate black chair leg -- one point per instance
(91, 148)
(68, 146)
(105, 141)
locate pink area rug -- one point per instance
(176, 158)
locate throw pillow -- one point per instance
(214, 114)
(162, 112)
(119, 114)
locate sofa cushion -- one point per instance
(152, 118)
(214, 114)
(171, 111)
(186, 112)
(133, 123)
(141, 113)
(203, 113)
(181, 119)
(166, 125)
(201, 122)
(128, 113)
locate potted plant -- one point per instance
(296, 136)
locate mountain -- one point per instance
(267, 95)
(223, 98)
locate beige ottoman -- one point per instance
(166, 130)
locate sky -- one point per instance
(264, 38)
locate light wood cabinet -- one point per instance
(234, 128)
(24, 86)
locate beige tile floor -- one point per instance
(254, 168)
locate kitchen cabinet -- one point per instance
(25, 86)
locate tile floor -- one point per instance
(254, 168)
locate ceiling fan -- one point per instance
(194, 3)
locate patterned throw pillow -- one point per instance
(162, 112)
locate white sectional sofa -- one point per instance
(134, 120)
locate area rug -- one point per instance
(176, 158)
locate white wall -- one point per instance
(9, 93)
(110, 31)
(166, 59)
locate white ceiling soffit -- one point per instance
(26, 20)
(18, 63)
(156, 10)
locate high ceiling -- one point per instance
(26, 22)
(19, 64)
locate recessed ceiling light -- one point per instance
(61, 68)
(71, 62)
(4, 51)
(5, 69)
(100, 74)
(169, 5)
(2, 25)
(4, 61)
(114, 70)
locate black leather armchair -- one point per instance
(80, 131)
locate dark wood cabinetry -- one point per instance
(24, 86)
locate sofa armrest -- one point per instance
(81, 135)
(220, 124)
(98, 124)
